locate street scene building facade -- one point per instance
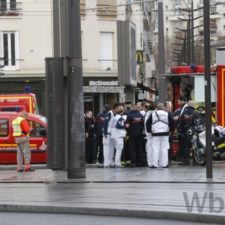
(26, 39)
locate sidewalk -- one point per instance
(138, 192)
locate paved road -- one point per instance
(177, 192)
(63, 219)
(115, 198)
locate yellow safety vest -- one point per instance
(17, 131)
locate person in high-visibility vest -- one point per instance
(21, 133)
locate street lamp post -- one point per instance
(67, 45)
(161, 54)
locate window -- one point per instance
(178, 2)
(8, 7)
(37, 130)
(4, 127)
(179, 25)
(177, 12)
(106, 50)
(9, 50)
(213, 10)
(189, 2)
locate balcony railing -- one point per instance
(106, 8)
(82, 7)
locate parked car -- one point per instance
(38, 138)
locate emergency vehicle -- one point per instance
(38, 138)
(189, 80)
(18, 102)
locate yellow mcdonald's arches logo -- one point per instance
(139, 57)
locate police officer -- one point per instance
(21, 131)
(98, 127)
(182, 102)
(89, 138)
(135, 126)
(186, 121)
(160, 124)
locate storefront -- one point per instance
(101, 91)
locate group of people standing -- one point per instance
(139, 135)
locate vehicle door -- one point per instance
(38, 139)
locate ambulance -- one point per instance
(18, 102)
(38, 138)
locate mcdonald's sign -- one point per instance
(139, 57)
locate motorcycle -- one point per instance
(198, 141)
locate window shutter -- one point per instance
(106, 50)
(17, 50)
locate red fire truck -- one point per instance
(189, 80)
(18, 103)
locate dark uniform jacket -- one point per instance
(187, 119)
(99, 123)
(89, 126)
(135, 122)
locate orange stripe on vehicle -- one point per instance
(14, 145)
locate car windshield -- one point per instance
(42, 118)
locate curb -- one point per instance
(80, 181)
(148, 214)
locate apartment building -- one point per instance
(183, 24)
(25, 41)
(99, 49)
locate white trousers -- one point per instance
(160, 146)
(108, 150)
(149, 150)
(119, 143)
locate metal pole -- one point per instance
(161, 54)
(55, 112)
(209, 169)
(76, 144)
(192, 33)
(189, 38)
(56, 28)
